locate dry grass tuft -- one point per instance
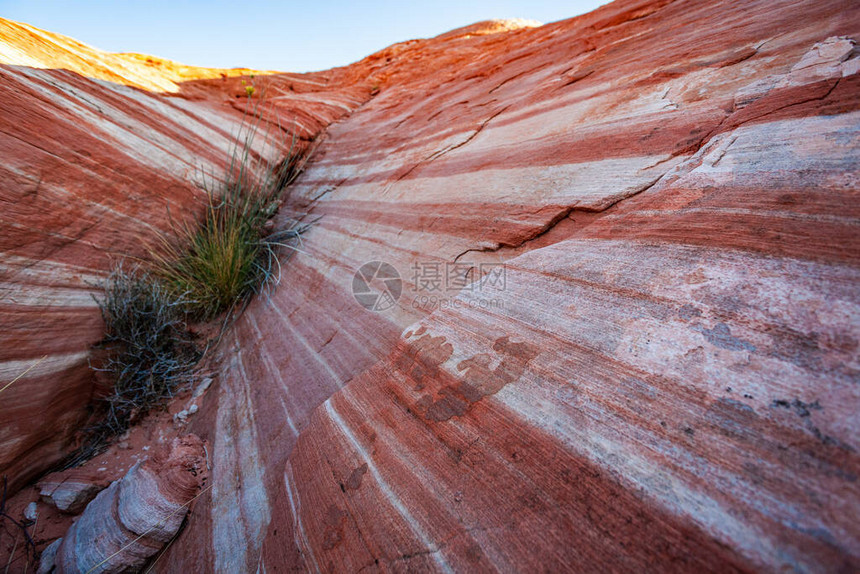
(148, 351)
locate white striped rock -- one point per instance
(667, 380)
(89, 169)
(667, 377)
(136, 516)
(72, 492)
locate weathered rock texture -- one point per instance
(70, 494)
(667, 377)
(133, 518)
(89, 169)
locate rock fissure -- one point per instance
(555, 220)
(439, 153)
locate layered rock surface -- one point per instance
(659, 367)
(133, 518)
(90, 170)
(71, 494)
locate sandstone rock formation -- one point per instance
(25, 45)
(134, 517)
(70, 494)
(656, 365)
(89, 171)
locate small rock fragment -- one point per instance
(823, 61)
(31, 512)
(201, 388)
(49, 556)
(70, 496)
(851, 67)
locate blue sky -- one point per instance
(265, 34)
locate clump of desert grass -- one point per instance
(231, 254)
(201, 270)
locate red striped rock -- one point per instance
(666, 378)
(132, 519)
(90, 169)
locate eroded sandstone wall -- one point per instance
(670, 375)
(89, 170)
(667, 377)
